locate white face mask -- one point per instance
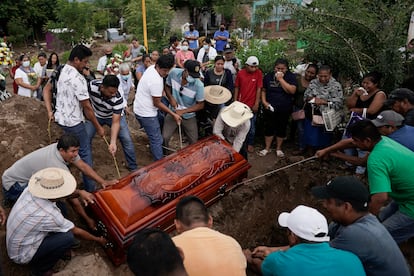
(205, 47)
(184, 48)
(26, 63)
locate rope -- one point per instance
(181, 137)
(271, 172)
(116, 163)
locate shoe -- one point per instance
(280, 153)
(250, 148)
(263, 152)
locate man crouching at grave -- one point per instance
(37, 233)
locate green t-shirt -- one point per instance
(391, 170)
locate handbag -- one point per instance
(331, 117)
(317, 119)
(355, 117)
(299, 114)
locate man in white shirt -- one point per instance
(103, 60)
(40, 70)
(73, 105)
(233, 124)
(148, 101)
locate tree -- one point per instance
(356, 36)
(75, 17)
(159, 15)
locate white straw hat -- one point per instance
(216, 94)
(236, 114)
(306, 223)
(52, 183)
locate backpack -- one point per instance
(54, 77)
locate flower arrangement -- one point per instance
(5, 55)
(112, 64)
(32, 78)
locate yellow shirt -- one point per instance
(210, 253)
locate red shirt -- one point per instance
(15, 86)
(248, 83)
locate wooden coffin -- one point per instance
(147, 197)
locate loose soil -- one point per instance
(248, 213)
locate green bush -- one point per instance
(63, 58)
(120, 48)
(266, 52)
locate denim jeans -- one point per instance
(400, 226)
(252, 130)
(151, 126)
(14, 192)
(353, 152)
(85, 151)
(52, 248)
(123, 135)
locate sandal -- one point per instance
(280, 153)
(263, 152)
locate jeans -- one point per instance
(14, 192)
(353, 152)
(400, 226)
(151, 126)
(85, 151)
(52, 248)
(123, 135)
(252, 131)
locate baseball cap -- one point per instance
(228, 48)
(388, 118)
(346, 188)
(306, 223)
(399, 94)
(252, 61)
(193, 68)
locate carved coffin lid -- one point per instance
(145, 197)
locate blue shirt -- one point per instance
(372, 243)
(276, 95)
(192, 44)
(404, 136)
(312, 259)
(187, 95)
(220, 44)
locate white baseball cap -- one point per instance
(306, 223)
(252, 61)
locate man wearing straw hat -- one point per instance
(61, 154)
(233, 124)
(37, 233)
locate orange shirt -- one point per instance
(210, 253)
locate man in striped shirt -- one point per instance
(108, 105)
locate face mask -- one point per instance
(125, 77)
(221, 29)
(184, 48)
(109, 55)
(190, 79)
(205, 47)
(26, 63)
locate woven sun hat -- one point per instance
(216, 94)
(236, 114)
(52, 183)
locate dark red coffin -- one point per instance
(147, 197)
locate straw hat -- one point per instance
(216, 94)
(52, 183)
(236, 114)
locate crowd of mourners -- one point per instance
(198, 87)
